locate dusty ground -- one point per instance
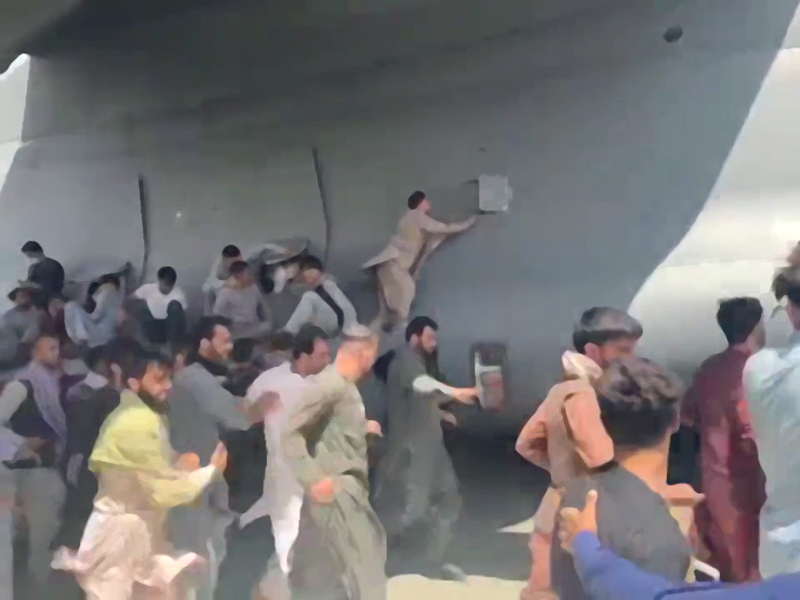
(501, 493)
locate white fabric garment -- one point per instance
(157, 302)
(425, 384)
(283, 495)
(772, 385)
(314, 310)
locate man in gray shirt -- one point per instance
(242, 303)
(639, 403)
(200, 410)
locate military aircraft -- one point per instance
(650, 147)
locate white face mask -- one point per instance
(33, 259)
(280, 277)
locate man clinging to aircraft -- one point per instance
(398, 265)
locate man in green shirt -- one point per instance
(325, 445)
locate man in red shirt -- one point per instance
(732, 479)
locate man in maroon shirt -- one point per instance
(732, 479)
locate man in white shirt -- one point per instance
(283, 495)
(324, 304)
(161, 310)
(772, 387)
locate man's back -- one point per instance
(716, 406)
(633, 521)
(49, 275)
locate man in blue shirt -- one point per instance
(606, 576)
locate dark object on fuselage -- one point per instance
(673, 34)
(489, 369)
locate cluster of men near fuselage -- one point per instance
(108, 466)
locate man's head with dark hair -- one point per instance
(604, 334)
(280, 341)
(149, 376)
(740, 321)
(167, 277)
(231, 252)
(310, 350)
(639, 403)
(212, 340)
(121, 354)
(32, 250)
(97, 361)
(421, 335)
(310, 270)
(242, 352)
(418, 200)
(787, 284)
(240, 273)
(21, 297)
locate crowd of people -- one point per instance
(227, 456)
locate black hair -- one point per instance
(123, 352)
(738, 317)
(306, 340)
(167, 275)
(787, 284)
(308, 262)
(238, 267)
(96, 356)
(280, 341)
(109, 278)
(12, 295)
(147, 359)
(32, 248)
(243, 350)
(415, 199)
(602, 324)
(204, 330)
(639, 402)
(418, 325)
(231, 251)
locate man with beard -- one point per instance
(732, 478)
(325, 445)
(204, 409)
(124, 550)
(416, 482)
(89, 402)
(36, 427)
(565, 436)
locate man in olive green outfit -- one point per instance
(325, 445)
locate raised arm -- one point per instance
(431, 225)
(315, 408)
(425, 384)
